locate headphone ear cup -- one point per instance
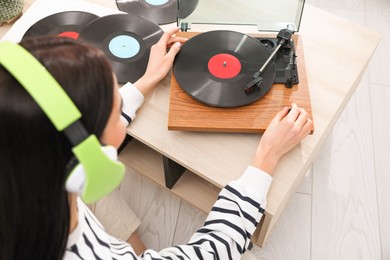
(111, 152)
(76, 181)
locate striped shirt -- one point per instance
(225, 235)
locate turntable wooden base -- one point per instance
(187, 114)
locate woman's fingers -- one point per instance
(175, 48)
(302, 118)
(167, 36)
(281, 114)
(293, 113)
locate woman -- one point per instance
(40, 219)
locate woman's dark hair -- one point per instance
(34, 206)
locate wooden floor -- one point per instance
(342, 208)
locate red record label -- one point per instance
(73, 35)
(224, 66)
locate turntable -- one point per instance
(228, 80)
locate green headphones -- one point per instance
(98, 171)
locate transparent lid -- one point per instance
(266, 15)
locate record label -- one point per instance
(214, 68)
(124, 46)
(72, 35)
(224, 66)
(156, 2)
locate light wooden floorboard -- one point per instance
(155, 206)
(307, 183)
(351, 5)
(189, 221)
(290, 239)
(380, 96)
(345, 214)
(378, 19)
(353, 10)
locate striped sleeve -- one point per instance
(236, 213)
(132, 100)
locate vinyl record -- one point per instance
(66, 24)
(157, 11)
(214, 68)
(126, 40)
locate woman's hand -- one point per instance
(160, 61)
(285, 131)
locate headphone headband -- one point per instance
(99, 172)
(44, 89)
